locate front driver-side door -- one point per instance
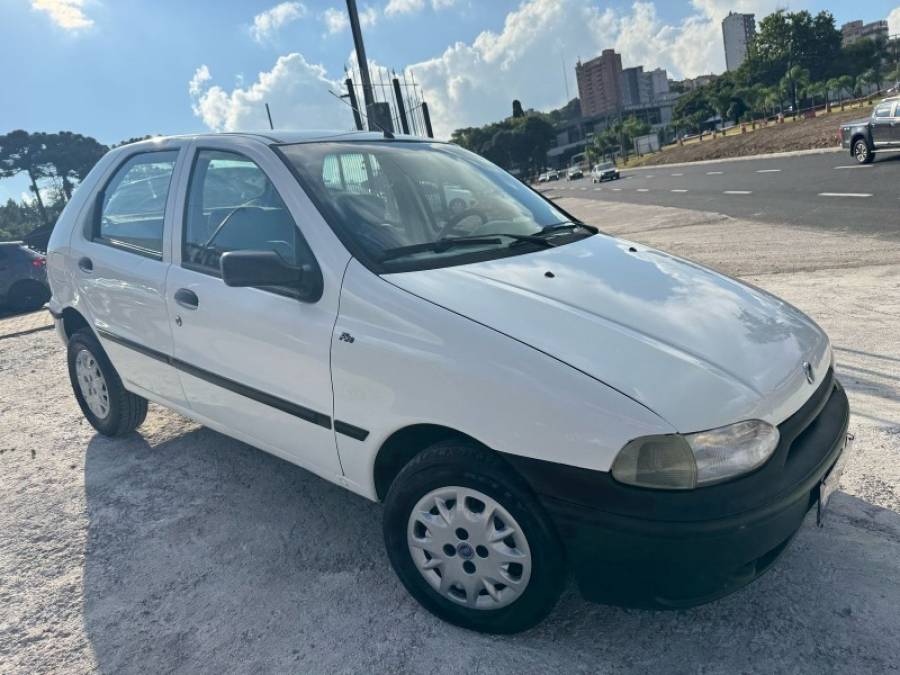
(254, 362)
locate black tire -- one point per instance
(457, 463)
(862, 153)
(28, 296)
(127, 411)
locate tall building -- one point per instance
(635, 86)
(738, 31)
(640, 88)
(857, 30)
(659, 82)
(600, 83)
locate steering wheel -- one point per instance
(456, 219)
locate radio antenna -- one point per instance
(387, 134)
(269, 113)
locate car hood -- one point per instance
(698, 348)
(856, 123)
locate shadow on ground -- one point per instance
(206, 555)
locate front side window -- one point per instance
(133, 207)
(233, 206)
(883, 111)
(401, 206)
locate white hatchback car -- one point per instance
(526, 395)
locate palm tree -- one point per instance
(795, 80)
(814, 89)
(845, 84)
(772, 99)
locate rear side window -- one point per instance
(233, 206)
(133, 207)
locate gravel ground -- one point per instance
(178, 549)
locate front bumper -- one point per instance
(665, 550)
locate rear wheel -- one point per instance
(108, 406)
(862, 153)
(26, 296)
(470, 542)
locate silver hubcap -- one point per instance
(92, 383)
(469, 548)
(861, 152)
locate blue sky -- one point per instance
(114, 69)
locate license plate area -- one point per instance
(831, 481)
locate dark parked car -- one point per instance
(863, 138)
(23, 277)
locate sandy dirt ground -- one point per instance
(177, 549)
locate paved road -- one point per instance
(827, 190)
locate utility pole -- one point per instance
(368, 98)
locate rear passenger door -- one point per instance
(254, 362)
(883, 125)
(119, 263)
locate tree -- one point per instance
(793, 39)
(71, 157)
(23, 152)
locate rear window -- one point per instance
(133, 209)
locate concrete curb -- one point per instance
(771, 155)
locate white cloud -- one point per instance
(403, 7)
(267, 24)
(894, 21)
(296, 91)
(336, 20)
(475, 83)
(67, 14)
(395, 7)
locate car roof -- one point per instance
(288, 137)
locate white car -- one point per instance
(526, 395)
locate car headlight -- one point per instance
(683, 462)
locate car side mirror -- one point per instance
(259, 268)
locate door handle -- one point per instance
(187, 298)
(86, 265)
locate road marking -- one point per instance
(649, 175)
(769, 171)
(617, 189)
(845, 194)
(738, 192)
(598, 189)
(679, 190)
(855, 166)
(643, 190)
(677, 174)
(584, 188)
(714, 173)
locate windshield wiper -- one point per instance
(565, 225)
(441, 245)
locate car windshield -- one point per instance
(389, 202)
(605, 166)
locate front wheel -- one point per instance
(470, 542)
(862, 153)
